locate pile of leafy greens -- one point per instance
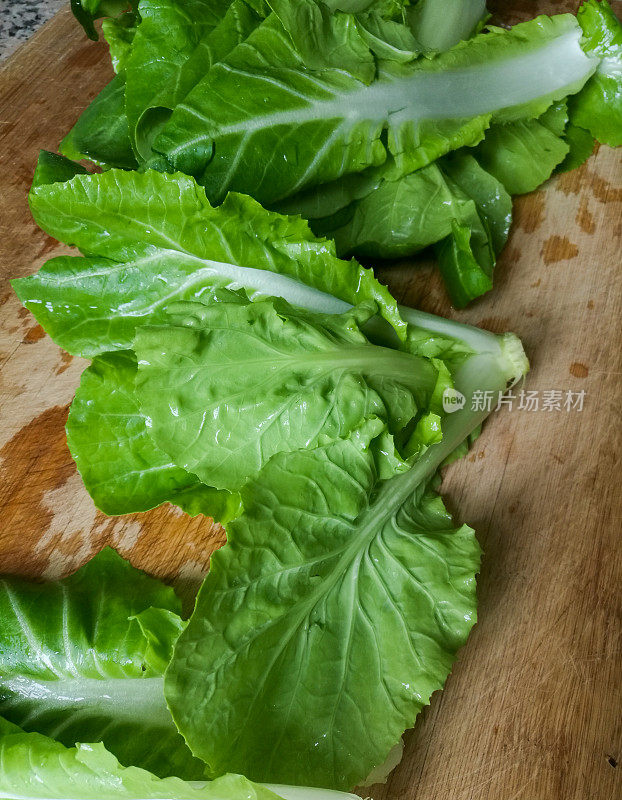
(243, 371)
(391, 127)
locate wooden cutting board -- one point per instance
(533, 708)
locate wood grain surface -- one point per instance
(533, 708)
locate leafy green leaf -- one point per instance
(282, 669)
(467, 256)
(271, 117)
(399, 217)
(453, 201)
(177, 43)
(338, 603)
(87, 11)
(121, 466)
(461, 202)
(215, 43)
(598, 107)
(249, 381)
(486, 195)
(101, 132)
(326, 622)
(387, 39)
(440, 24)
(54, 168)
(524, 154)
(153, 238)
(161, 629)
(119, 33)
(84, 18)
(81, 660)
(581, 146)
(35, 767)
(465, 276)
(324, 202)
(168, 33)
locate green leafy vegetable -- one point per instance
(380, 213)
(101, 133)
(35, 767)
(119, 33)
(422, 207)
(176, 44)
(87, 11)
(216, 67)
(120, 464)
(251, 380)
(461, 203)
(153, 238)
(524, 154)
(82, 659)
(233, 349)
(168, 33)
(467, 256)
(395, 217)
(214, 32)
(133, 458)
(337, 534)
(275, 91)
(580, 147)
(54, 168)
(598, 108)
(440, 24)
(335, 609)
(348, 602)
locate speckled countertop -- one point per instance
(19, 19)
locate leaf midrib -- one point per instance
(429, 95)
(124, 699)
(385, 361)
